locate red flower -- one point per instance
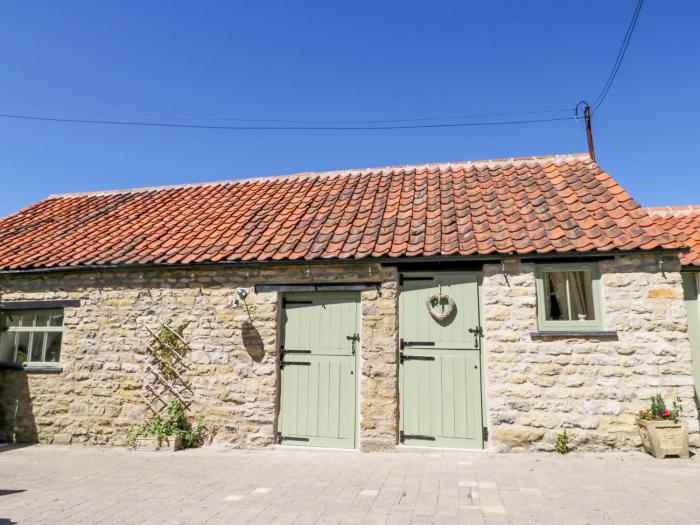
(665, 413)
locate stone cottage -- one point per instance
(486, 304)
(683, 224)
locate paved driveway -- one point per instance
(51, 484)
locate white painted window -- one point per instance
(568, 297)
(31, 337)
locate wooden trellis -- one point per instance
(164, 378)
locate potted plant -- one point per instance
(171, 431)
(662, 433)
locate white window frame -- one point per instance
(548, 325)
(33, 330)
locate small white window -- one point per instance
(31, 337)
(568, 297)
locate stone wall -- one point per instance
(592, 387)
(379, 409)
(234, 362)
(534, 387)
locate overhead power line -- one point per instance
(145, 123)
(193, 122)
(620, 57)
(194, 118)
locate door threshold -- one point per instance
(433, 450)
(313, 449)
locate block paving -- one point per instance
(73, 485)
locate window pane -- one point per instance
(53, 346)
(22, 342)
(556, 308)
(56, 319)
(14, 319)
(41, 319)
(7, 347)
(581, 294)
(37, 346)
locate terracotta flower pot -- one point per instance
(170, 443)
(664, 438)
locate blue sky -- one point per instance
(333, 60)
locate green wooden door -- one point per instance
(440, 370)
(317, 398)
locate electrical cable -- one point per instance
(620, 57)
(161, 118)
(281, 128)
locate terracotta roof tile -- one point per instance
(530, 205)
(682, 223)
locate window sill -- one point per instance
(593, 334)
(33, 369)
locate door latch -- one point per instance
(478, 333)
(354, 338)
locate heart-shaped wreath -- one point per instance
(436, 300)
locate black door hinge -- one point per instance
(403, 437)
(485, 434)
(281, 438)
(295, 363)
(403, 344)
(403, 357)
(284, 351)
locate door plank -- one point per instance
(441, 398)
(318, 399)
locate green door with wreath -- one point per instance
(440, 362)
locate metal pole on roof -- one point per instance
(589, 130)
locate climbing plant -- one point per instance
(172, 423)
(169, 347)
(166, 367)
